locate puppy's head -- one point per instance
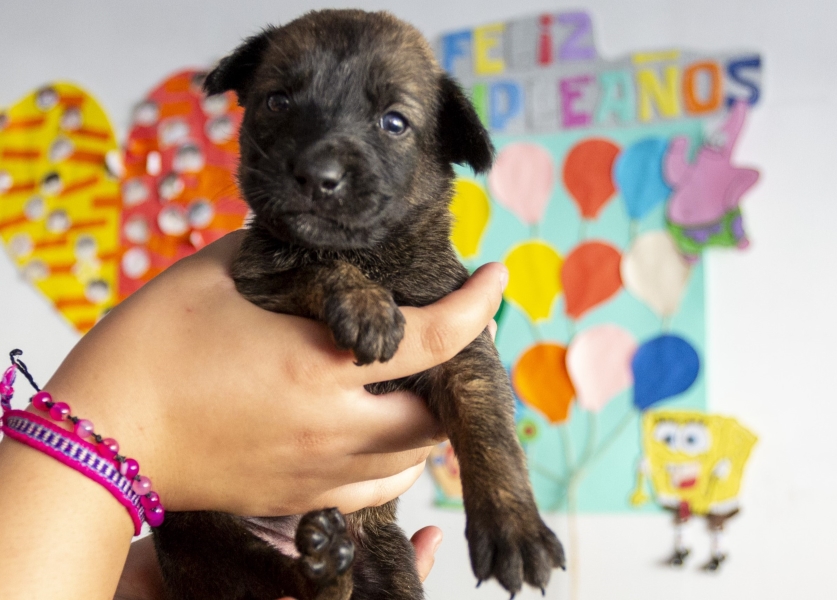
(350, 127)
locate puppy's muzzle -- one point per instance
(320, 173)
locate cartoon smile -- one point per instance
(683, 475)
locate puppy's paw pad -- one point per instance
(325, 548)
(366, 321)
(514, 549)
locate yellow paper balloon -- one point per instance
(471, 210)
(534, 278)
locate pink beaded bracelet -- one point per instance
(100, 462)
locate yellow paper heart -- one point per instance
(60, 200)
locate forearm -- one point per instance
(61, 534)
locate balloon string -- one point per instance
(534, 232)
(582, 230)
(632, 231)
(536, 331)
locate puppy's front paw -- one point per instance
(513, 547)
(325, 548)
(366, 321)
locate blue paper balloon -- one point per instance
(663, 367)
(638, 174)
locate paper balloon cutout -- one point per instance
(639, 175)
(179, 191)
(522, 179)
(599, 363)
(534, 280)
(59, 199)
(663, 367)
(588, 175)
(590, 276)
(471, 210)
(654, 271)
(541, 381)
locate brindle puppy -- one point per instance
(349, 133)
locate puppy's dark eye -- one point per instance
(278, 101)
(394, 123)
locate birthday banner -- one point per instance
(544, 74)
(612, 178)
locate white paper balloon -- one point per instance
(599, 363)
(654, 271)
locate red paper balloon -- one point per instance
(590, 276)
(588, 175)
(541, 380)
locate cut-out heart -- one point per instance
(179, 190)
(88, 225)
(59, 199)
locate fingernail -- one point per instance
(437, 544)
(504, 277)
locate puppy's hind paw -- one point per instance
(514, 550)
(325, 549)
(366, 321)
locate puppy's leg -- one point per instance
(361, 314)
(385, 558)
(506, 537)
(213, 555)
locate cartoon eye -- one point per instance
(694, 438)
(278, 101)
(667, 433)
(394, 123)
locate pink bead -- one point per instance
(40, 399)
(84, 429)
(150, 501)
(129, 468)
(108, 447)
(155, 516)
(6, 389)
(59, 411)
(142, 485)
(9, 376)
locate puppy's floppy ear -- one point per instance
(235, 71)
(462, 137)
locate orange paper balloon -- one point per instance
(587, 175)
(590, 276)
(541, 380)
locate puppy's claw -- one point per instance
(513, 547)
(479, 582)
(325, 549)
(366, 321)
(543, 591)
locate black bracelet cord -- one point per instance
(21, 366)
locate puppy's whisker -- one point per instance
(252, 140)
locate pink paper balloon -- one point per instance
(522, 180)
(599, 363)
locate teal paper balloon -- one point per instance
(638, 173)
(663, 367)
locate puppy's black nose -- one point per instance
(322, 175)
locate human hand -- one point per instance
(230, 407)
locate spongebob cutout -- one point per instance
(694, 462)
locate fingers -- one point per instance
(435, 333)
(492, 328)
(390, 423)
(426, 541)
(354, 496)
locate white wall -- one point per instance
(772, 310)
